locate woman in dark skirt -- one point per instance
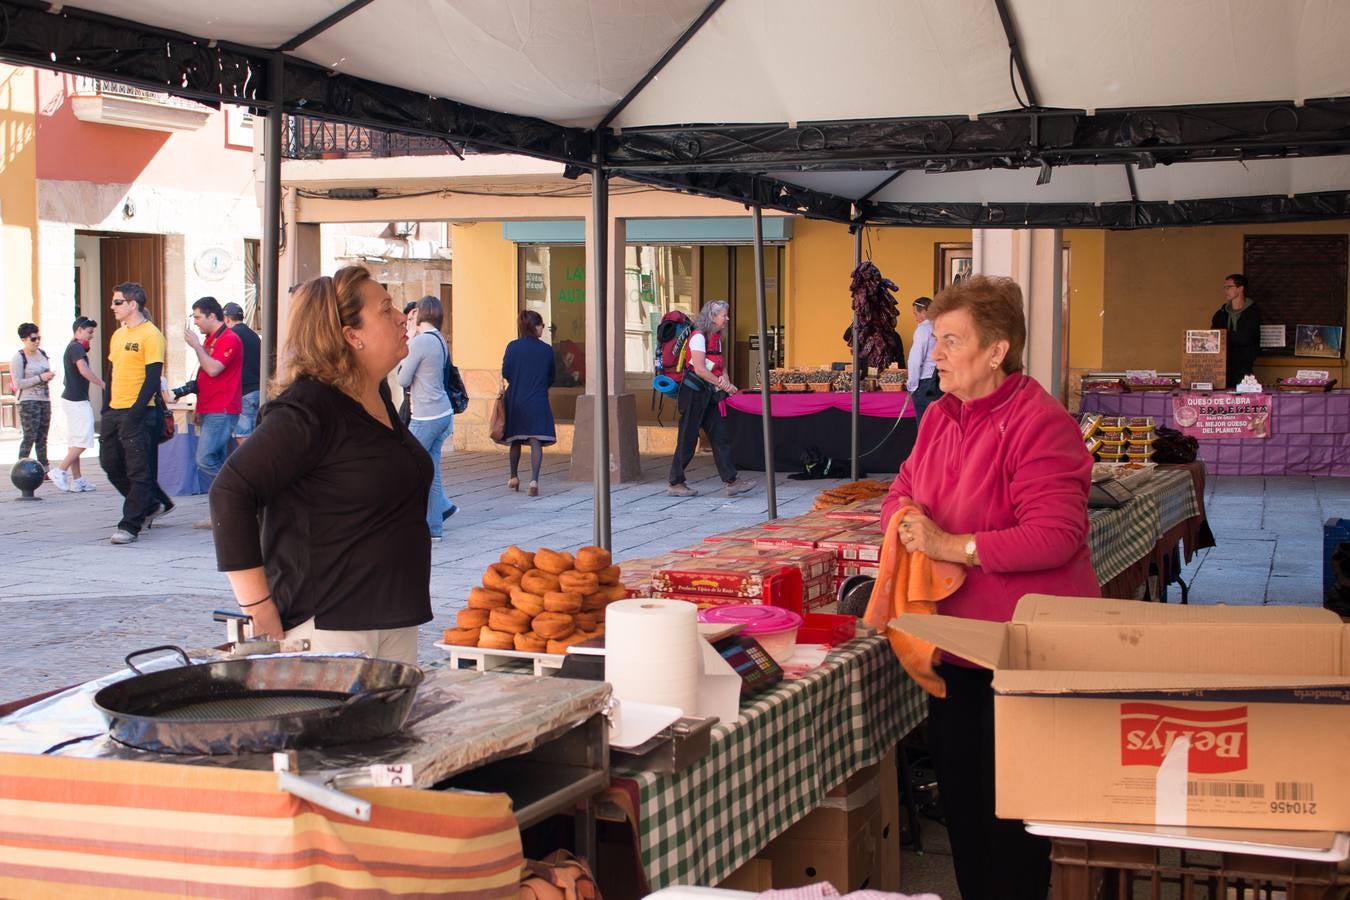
(528, 370)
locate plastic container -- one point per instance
(774, 628)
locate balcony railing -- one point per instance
(308, 138)
(103, 102)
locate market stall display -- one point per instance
(819, 422)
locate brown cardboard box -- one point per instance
(755, 876)
(847, 863)
(1144, 713)
(886, 862)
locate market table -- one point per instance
(802, 421)
(1309, 433)
(772, 766)
(1141, 538)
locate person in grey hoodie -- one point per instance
(422, 375)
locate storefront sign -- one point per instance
(1222, 416)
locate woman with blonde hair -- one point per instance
(343, 556)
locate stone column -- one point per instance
(624, 462)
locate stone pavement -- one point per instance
(74, 605)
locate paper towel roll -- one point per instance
(652, 652)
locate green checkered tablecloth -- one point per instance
(1118, 538)
(771, 767)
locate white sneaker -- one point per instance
(82, 486)
(61, 478)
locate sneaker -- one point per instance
(681, 490)
(121, 536)
(738, 487)
(61, 478)
(204, 525)
(82, 486)
(435, 538)
(160, 512)
(449, 512)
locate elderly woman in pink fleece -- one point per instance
(1000, 477)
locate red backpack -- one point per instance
(672, 352)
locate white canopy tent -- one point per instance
(985, 113)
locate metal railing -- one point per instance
(96, 87)
(309, 138)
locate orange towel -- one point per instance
(911, 583)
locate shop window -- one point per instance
(553, 284)
(657, 279)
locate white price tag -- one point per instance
(1313, 374)
(400, 775)
(1139, 374)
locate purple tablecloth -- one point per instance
(1310, 433)
(870, 403)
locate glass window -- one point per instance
(657, 279)
(553, 284)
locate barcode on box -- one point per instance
(1293, 790)
(1240, 789)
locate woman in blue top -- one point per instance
(528, 370)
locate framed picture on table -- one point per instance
(1319, 340)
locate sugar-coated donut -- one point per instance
(553, 561)
(529, 604)
(585, 621)
(521, 559)
(530, 642)
(560, 646)
(495, 640)
(482, 598)
(608, 575)
(462, 637)
(471, 618)
(508, 618)
(537, 581)
(554, 625)
(593, 602)
(562, 601)
(612, 592)
(579, 582)
(501, 577)
(593, 559)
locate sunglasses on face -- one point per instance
(35, 338)
(120, 302)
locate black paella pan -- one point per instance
(258, 705)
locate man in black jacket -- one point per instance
(1242, 320)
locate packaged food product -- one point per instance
(812, 562)
(1088, 424)
(1111, 424)
(747, 579)
(861, 544)
(818, 592)
(802, 536)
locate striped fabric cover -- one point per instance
(121, 829)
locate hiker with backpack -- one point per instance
(700, 371)
(423, 376)
(29, 372)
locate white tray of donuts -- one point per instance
(533, 606)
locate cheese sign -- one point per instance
(1222, 416)
(1218, 737)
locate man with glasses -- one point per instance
(1241, 319)
(133, 418)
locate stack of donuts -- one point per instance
(540, 602)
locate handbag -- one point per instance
(497, 421)
(454, 384)
(169, 429)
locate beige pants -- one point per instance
(398, 644)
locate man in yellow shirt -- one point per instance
(133, 418)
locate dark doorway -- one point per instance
(131, 257)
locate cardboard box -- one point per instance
(862, 545)
(808, 536)
(844, 858)
(818, 593)
(886, 865)
(731, 581)
(755, 876)
(1144, 713)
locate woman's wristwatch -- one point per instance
(970, 552)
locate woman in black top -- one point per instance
(344, 557)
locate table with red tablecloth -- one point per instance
(820, 421)
(1309, 433)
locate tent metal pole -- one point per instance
(857, 380)
(766, 411)
(600, 235)
(271, 224)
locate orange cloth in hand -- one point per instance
(911, 583)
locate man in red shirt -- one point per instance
(220, 359)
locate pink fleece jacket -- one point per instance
(1012, 469)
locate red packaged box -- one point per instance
(776, 583)
(636, 574)
(859, 510)
(863, 545)
(825, 628)
(800, 536)
(743, 535)
(849, 568)
(707, 601)
(813, 563)
(818, 592)
(805, 520)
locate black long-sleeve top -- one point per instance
(1244, 341)
(343, 499)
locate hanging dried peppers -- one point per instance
(876, 314)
